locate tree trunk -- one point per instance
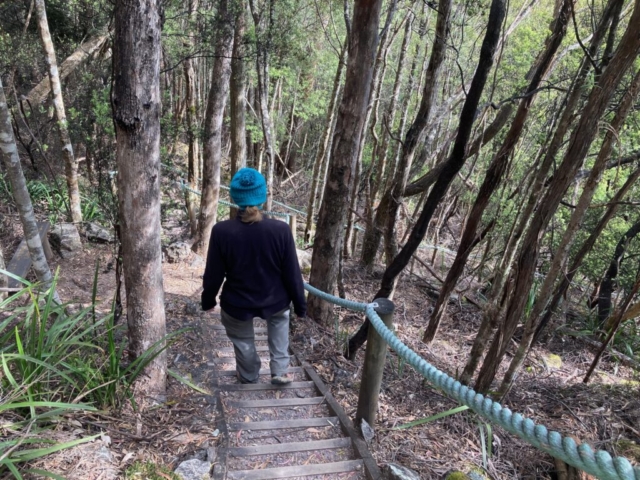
(578, 147)
(9, 151)
(237, 98)
(192, 126)
(70, 163)
(453, 164)
(344, 151)
(262, 67)
(498, 167)
(608, 284)
(585, 249)
(136, 111)
(212, 141)
(562, 251)
(321, 155)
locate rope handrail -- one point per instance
(598, 463)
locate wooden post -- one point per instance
(374, 358)
(293, 223)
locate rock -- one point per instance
(398, 472)
(96, 233)
(367, 431)
(197, 262)
(212, 454)
(178, 252)
(304, 259)
(65, 239)
(456, 475)
(553, 361)
(104, 453)
(191, 307)
(194, 469)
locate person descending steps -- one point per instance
(256, 258)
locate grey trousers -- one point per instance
(242, 335)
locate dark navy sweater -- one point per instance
(261, 268)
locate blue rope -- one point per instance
(598, 463)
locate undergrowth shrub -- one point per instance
(57, 361)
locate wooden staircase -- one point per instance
(291, 431)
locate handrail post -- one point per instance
(374, 359)
(293, 224)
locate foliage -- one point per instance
(52, 359)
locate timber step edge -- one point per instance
(234, 387)
(333, 443)
(281, 424)
(263, 371)
(296, 471)
(276, 402)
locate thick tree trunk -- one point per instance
(70, 163)
(212, 135)
(579, 144)
(562, 251)
(9, 151)
(452, 166)
(321, 154)
(38, 94)
(586, 247)
(136, 110)
(237, 97)
(498, 167)
(344, 151)
(192, 127)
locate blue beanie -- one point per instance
(248, 188)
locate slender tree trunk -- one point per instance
(562, 251)
(9, 151)
(586, 247)
(70, 163)
(388, 118)
(579, 144)
(237, 97)
(321, 155)
(344, 151)
(263, 43)
(498, 167)
(608, 284)
(452, 166)
(192, 126)
(212, 141)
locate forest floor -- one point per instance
(605, 413)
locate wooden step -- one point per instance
(264, 371)
(290, 447)
(255, 329)
(217, 360)
(224, 338)
(234, 387)
(280, 424)
(296, 471)
(259, 348)
(275, 402)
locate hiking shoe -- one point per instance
(283, 379)
(243, 380)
